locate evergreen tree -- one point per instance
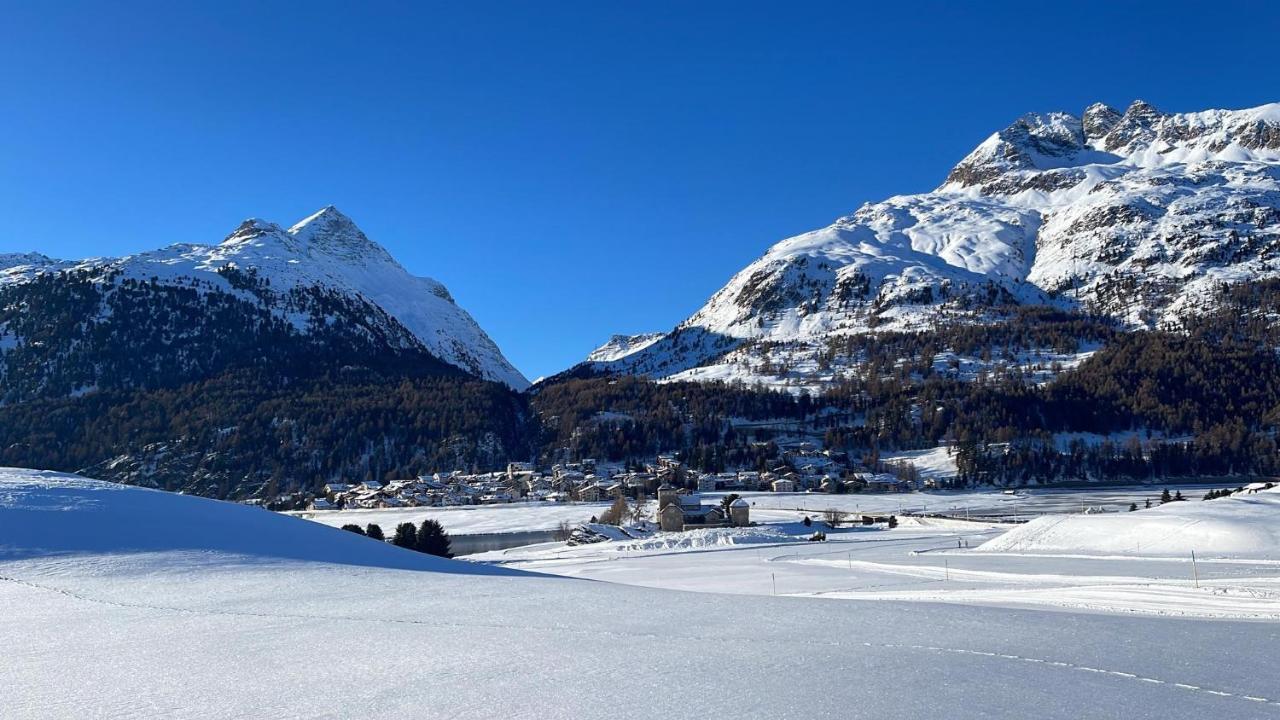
(1133, 507)
(375, 532)
(406, 536)
(807, 522)
(727, 501)
(1165, 496)
(433, 540)
(353, 528)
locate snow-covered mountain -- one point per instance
(620, 346)
(320, 282)
(1139, 215)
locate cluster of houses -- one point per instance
(803, 470)
(678, 511)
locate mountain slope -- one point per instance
(318, 291)
(1140, 216)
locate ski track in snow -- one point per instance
(595, 632)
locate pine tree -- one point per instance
(1133, 507)
(375, 532)
(406, 536)
(433, 540)
(1165, 496)
(354, 528)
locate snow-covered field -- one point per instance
(124, 602)
(1122, 562)
(1242, 526)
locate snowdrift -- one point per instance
(48, 513)
(1240, 526)
(708, 538)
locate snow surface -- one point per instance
(1243, 525)
(933, 464)
(124, 602)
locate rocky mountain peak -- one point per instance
(250, 229)
(330, 231)
(1098, 120)
(1035, 141)
(1138, 125)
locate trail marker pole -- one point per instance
(775, 582)
(1195, 574)
(946, 569)
(850, 558)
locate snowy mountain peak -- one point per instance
(1136, 126)
(325, 252)
(1033, 142)
(328, 224)
(1098, 120)
(250, 229)
(330, 231)
(1140, 215)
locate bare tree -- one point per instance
(564, 532)
(617, 512)
(834, 517)
(639, 511)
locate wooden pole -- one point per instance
(1195, 574)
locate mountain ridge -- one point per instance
(1139, 216)
(325, 253)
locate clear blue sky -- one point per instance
(568, 170)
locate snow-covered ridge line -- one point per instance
(324, 250)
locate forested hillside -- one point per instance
(250, 433)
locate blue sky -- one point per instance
(569, 170)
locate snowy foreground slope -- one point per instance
(123, 602)
(1139, 215)
(1242, 526)
(282, 270)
